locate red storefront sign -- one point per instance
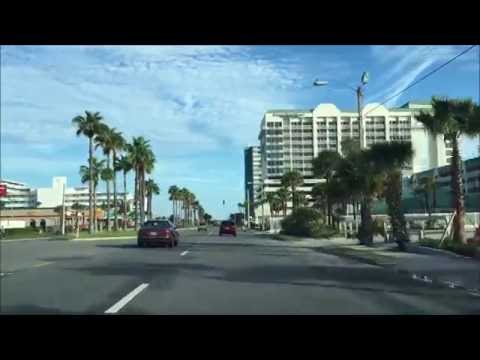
(3, 190)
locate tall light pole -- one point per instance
(359, 92)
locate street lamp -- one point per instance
(359, 92)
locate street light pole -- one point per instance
(359, 93)
(63, 210)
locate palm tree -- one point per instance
(427, 186)
(389, 159)
(92, 175)
(143, 159)
(89, 125)
(453, 118)
(118, 144)
(173, 192)
(104, 139)
(359, 177)
(151, 189)
(292, 179)
(283, 196)
(270, 198)
(324, 166)
(107, 176)
(124, 164)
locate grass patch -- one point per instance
(365, 255)
(26, 233)
(86, 235)
(470, 250)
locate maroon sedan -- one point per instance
(228, 227)
(161, 232)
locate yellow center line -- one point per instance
(42, 264)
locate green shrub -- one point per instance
(306, 222)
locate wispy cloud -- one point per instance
(406, 63)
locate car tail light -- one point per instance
(164, 232)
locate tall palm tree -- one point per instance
(89, 125)
(292, 179)
(151, 189)
(427, 186)
(104, 139)
(389, 159)
(124, 164)
(143, 159)
(359, 177)
(173, 192)
(283, 196)
(92, 175)
(118, 144)
(107, 176)
(453, 118)
(324, 166)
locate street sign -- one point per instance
(3, 190)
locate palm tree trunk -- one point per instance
(365, 232)
(142, 195)
(95, 207)
(108, 195)
(458, 199)
(115, 223)
(395, 211)
(90, 186)
(125, 217)
(135, 198)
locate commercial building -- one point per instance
(470, 172)
(291, 139)
(253, 177)
(19, 195)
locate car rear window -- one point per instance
(227, 223)
(157, 224)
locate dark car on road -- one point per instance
(158, 232)
(228, 227)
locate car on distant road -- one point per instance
(228, 227)
(158, 232)
(202, 227)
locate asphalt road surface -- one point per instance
(208, 274)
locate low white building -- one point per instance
(52, 197)
(19, 195)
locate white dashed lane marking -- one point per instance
(126, 299)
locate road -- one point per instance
(208, 274)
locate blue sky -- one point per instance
(199, 105)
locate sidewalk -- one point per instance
(421, 263)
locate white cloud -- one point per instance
(407, 63)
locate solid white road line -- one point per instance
(126, 299)
(184, 253)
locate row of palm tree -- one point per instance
(361, 176)
(120, 157)
(186, 209)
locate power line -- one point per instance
(423, 78)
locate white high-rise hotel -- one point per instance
(290, 139)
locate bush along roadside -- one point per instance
(306, 222)
(470, 250)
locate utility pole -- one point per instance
(263, 211)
